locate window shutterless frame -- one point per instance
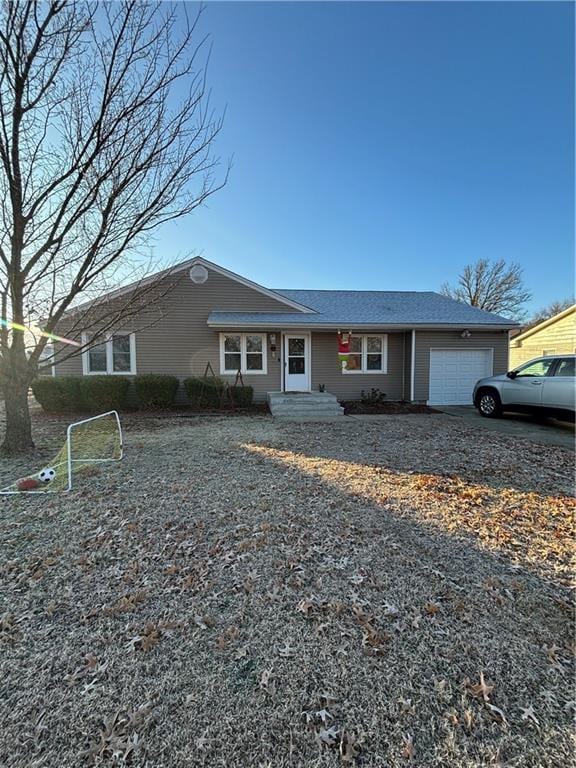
(363, 354)
(243, 352)
(107, 341)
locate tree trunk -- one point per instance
(18, 430)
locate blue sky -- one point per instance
(386, 145)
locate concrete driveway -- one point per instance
(547, 431)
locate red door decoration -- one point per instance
(343, 348)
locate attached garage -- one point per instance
(453, 373)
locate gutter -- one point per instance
(277, 323)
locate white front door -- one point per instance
(296, 362)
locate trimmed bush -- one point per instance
(155, 390)
(242, 396)
(104, 393)
(59, 394)
(72, 394)
(204, 393)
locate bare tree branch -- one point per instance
(106, 133)
(545, 313)
(494, 286)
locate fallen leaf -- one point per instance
(551, 652)
(348, 747)
(497, 713)
(267, 683)
(306, 606)
(328, 735)
(529, 714)
(286, 651)
(468, 719)
(432, 608)
(408, 748)
(482, 689)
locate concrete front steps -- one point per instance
(304, 406)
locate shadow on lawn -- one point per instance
(530, 529)
(499, 586)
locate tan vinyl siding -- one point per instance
(559, 336)
(181, 343)
(70, 367)
(425, 340)
(407, 365)
(326, 368)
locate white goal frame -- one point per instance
(70, 459)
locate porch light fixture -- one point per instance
(272, 337)
(465, 334)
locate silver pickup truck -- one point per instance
(545, 385)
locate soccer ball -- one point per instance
(47, 475)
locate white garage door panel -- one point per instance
(453, 373)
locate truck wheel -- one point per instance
(489, 404)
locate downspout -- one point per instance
(404, 366)
(412, 364)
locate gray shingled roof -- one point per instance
(354, 308)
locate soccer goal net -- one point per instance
(88, 443)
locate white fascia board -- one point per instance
(544, 324)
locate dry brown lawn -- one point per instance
(239, 592)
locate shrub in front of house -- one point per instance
(242, 396)
(69, 394)
(204, 393)
(372, 397)
(154, 390)
(104, 393)
(58, 395)
(207, 393)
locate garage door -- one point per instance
(453, 373)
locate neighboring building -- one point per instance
(555, 336)
(417, 346)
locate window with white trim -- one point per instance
(368, 354)
(116, 354)
(244, 352)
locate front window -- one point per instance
(368, 354)
(254, 353)
(97, 358)
(232, 353)
(244, 352)
(115, 354)
(355, 355)
(535, 368)
(121, 355)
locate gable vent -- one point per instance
(198, 274)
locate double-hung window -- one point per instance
(244, 352)
(368, 354)
(115, 354)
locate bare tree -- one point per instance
(494, 286)
(105, 134)
(554, 308)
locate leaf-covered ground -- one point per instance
(239, 592)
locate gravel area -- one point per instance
(240, 592)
